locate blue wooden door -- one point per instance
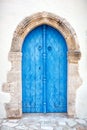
(44, 71)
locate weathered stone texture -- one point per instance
(43, 122)
(13, 110)
(14, 77)
(74, 56)
(15, 56)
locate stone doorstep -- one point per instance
(22, 127)
(34, 127)
(81, 121)
(13, 121)
(46, 128)
(50, 123)
(9, 124)
(6, 128)
(58, 128)
(71, 123)
(62, 123)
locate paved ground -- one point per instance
(44, 122)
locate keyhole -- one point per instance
(39, 68)
(39, 47)
(49, 48)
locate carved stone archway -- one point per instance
(14, 80)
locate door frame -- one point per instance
(14, 79)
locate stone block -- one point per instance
(71, 122)
(6, 87)
(14, 111)
(15, 65)
(14, 56)
(81, 127)
(16, 46)
(14, 76)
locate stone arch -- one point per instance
(14, 86)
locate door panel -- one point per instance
(56, 71)
(32, 72)
(44, 71)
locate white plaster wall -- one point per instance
(14, 11)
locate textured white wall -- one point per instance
(13, 11)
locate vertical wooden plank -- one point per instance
(39, 71)
(44, 68)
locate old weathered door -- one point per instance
(44, 71)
